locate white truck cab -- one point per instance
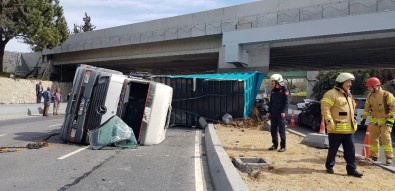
(98, 94)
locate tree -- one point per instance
(50, 25)
(290, 84)
(87, 26)
(384, 75)
(76, 29)
(39, 23)
(301, 85)
(326, 81)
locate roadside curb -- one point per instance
(382, 165)
(295, 132)
(223, 173)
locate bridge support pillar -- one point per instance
(237, 58)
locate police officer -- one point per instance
(380, 104)
(278, 107)
(338, 108)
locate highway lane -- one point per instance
(178, 163)
(20, 131)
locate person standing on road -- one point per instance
(47, 101)
(278, 107)
(380, 104)
(57, 98)
(39, 91)
(338, 108)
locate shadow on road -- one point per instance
(39, 136)
(39, 110)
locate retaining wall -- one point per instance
(16, 91)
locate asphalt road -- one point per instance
(176, 164)
(359, 135)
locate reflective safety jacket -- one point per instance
(338, 108)
(381, 106)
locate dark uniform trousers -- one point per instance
(347, 140)
(277, 125)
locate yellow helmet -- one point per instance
(278, 78)
(342, 77)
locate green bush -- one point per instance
(300, 94)
(9, 75)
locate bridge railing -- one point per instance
(316, 12)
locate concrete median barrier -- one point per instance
(223, 174)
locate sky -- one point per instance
(111, 13)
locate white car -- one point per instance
(303, 104)
(360, 102)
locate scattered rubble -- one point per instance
(36, 145)
(299, 168)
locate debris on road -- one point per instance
(36, 145)
(227, 118)
(302, 167)
(10, 149)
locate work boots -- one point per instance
(281, 150)
(272, 148)
(388, 161)
(355, 174)
(45, 110)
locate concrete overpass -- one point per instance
(275, 35)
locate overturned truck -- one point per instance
(98, 94)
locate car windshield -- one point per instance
(360, 103)
(313, 107)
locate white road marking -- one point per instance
(3, 135)
(55, 125)
(198, 164)
(74, 152)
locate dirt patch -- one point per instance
(298, 168)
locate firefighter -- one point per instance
(278, 107)
(380, 105)
(338, 108)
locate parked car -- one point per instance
(360, 105)
(260, 95)
(304, 103)
(262, 106)
(311, 116)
